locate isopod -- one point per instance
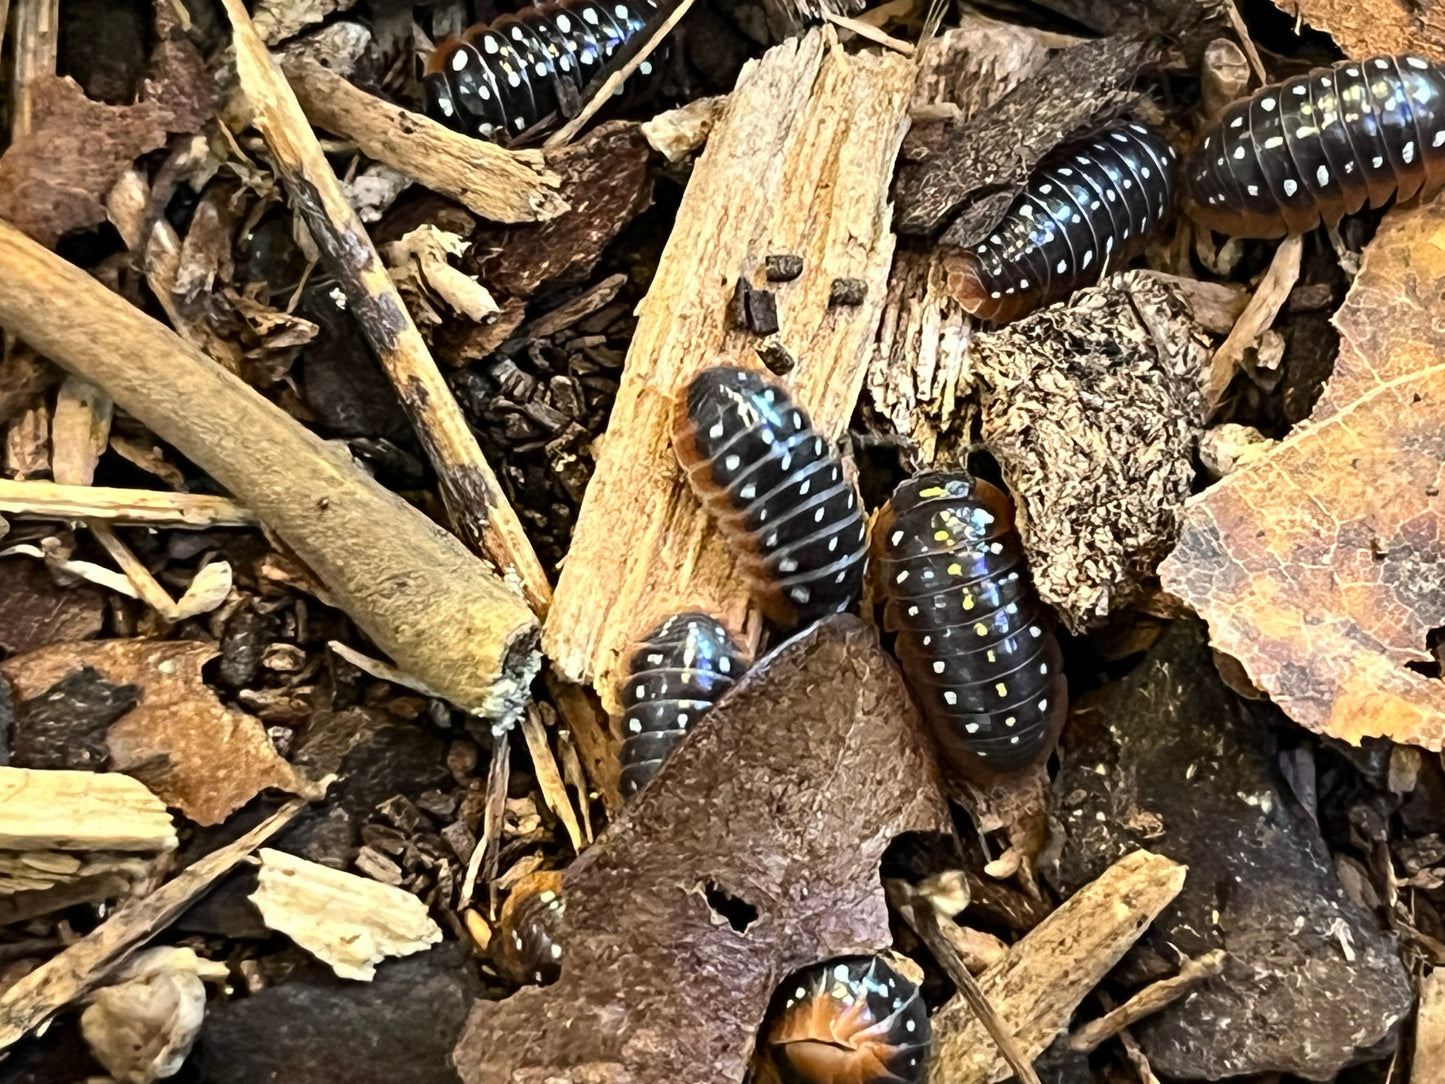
(851, 1020)
(1086, 208)
(679, 670)
(975, 641)
(779, 492)
(1317, 147)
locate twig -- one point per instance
(1147, 1001)
(474, 499)
(67, 976)
(872, 33)
(121, 507)
(440, 613)
(549, 778)
(1258, 315)
(496, 183)
(147, 587)
(584, 717)
(609, 87)
(924, 920)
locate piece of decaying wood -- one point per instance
(1428, 1063)
(1367, 28)
(499, 184)
(79, 431)
(549, 778)
(36, 39)
(437, 610)
(1037, 987)
(676, 133)
(349, 922)
(475, 502)
(921, 359)
(613, 83)
(69, 975)
(1147, 1001)
(817, 177)
(1223, 78)
(80, 811)
(121, 507)
(1258, 316)
(598, 746)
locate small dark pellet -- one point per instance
(775, 356)
(849, 292)
(784, 267)
(762, 312)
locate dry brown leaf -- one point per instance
(1317, 566)
(195, 753)
(1365, 27)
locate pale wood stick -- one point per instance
(146, 585)
(496, 183)
(475, 502)
(643, 546)
(871, 33)
(1147, 1001)
(568, 132)
(1258, 315)
(69, 975)
(549, 777)
(121, 507)
(440, 613)
(1037, 987)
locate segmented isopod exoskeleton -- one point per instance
(530, 928)
(498, 79)
(677, 673)
(1320, 146)
(975, 641)
(779, 492)
(1086, 209)
(851, 1020)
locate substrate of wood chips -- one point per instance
(309, 404)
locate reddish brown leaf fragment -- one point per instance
(195, 753)
(1366, 27)
(783, 801)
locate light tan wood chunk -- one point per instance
(348, 922)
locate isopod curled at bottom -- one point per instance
(851, 1020)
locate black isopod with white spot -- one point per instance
(677, 673)
(1319, 146)
(975, 641)
(1086, 209)
(779, 493)
(499, 79)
